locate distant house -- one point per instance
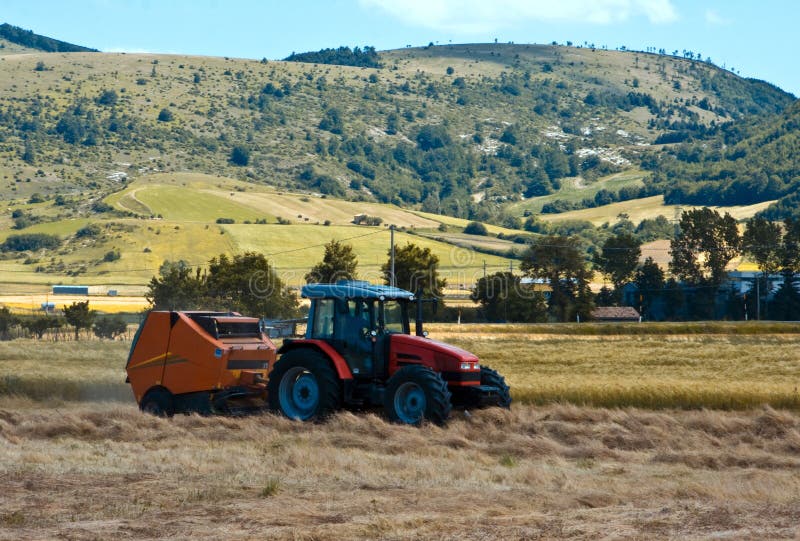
(615, 313)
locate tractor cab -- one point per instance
(358, 351)
(358, 319)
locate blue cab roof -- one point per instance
(347, 289)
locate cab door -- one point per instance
(354, 324)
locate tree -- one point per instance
(332, 121)
(165, 115)
(38, 325)
(618, 260)
(79, 316)
(431, 137)
(503, 298)
(240, 155)
(247, 283)
(476, 228)
(108, 97)
(704, 246)
(338, 263)
(110, 327)
(649, 282)
(176, 287)
(762, 241)
(785, 303)
(392, 123)
(415, 269)
(558, 260)
(7, 321)
(29, 153)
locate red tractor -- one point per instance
(358, 352)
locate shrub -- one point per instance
(165, 115)
(240, 155)
(91, 230)
(30, 241)
(476, 228)
(110, 327)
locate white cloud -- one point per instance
(476, 16)
(713, 17)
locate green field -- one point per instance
(177, 216)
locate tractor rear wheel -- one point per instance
(493, 378)
(304, 386)
(415, 393)
(159, 402)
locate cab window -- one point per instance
(323, 319)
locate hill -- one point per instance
(29, 40)
(458, 130)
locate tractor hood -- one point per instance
(414, 347)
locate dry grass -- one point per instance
(57, 371)
(78, 461)
(86, 472)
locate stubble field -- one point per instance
(78, 461)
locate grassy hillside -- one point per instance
(174, 216)
(460, 130)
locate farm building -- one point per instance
(70, 290)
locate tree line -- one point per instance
(77, 316)
(555, 280)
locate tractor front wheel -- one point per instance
(415, 393)
(303, 386)
(494, 379)
(159, 402)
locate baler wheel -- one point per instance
(159, 402)
(415, 393)
(303, 386)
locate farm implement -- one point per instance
(358, 352)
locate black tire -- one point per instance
(493, 378)
(415, 393)
(304, 386)
(159, 402)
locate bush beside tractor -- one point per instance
(357, 352)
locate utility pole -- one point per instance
(484, 270)
(392, 281)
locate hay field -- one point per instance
(78, 461)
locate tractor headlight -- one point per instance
(466, 366)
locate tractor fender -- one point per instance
(339, 364)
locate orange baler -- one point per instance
(205, 362)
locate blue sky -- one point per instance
(755, 38)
